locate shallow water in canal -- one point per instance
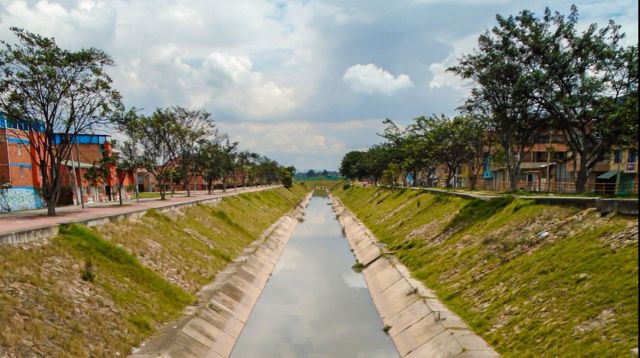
(315, 305)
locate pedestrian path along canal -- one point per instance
(315, 305)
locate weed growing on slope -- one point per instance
(114, 259)
(358, 267)
(478, 210)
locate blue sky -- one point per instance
(301, 81)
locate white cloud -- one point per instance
(442, 78)
(88, 24)
(291, 137)
(372, 79)
(236, 86)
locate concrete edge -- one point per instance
(418, 323)
(212, 327)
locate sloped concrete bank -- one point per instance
(418, 323)
(211, 328)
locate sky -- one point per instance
(303, 82)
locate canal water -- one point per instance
(315, 305)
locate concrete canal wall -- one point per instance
(418, 323)
(211, 328)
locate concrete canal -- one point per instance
(315, 305)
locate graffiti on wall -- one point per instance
(16, 199)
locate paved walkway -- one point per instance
(36, 219)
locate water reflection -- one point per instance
(315, 305)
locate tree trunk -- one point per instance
(163, 192)
(224, 185)
(120, 194)
(51, 206)
(581, 178)
(186, 184)
(513, 179)
(449, 177)
(54, 191)
(209, 186)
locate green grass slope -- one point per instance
(533, 280)
(145, 272)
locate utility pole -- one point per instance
(549, 162)
(74, 178)
(619, 160)
(135, 170)
(78, 155)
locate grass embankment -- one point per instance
(533, 280)
(146, 272)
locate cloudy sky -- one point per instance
(300, 81)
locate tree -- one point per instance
(397, 142)
(286, 177)
(155, 133)
(51, 96)
(391, 173)
(228, 153)
(480, 144)
(420, 145)
(190, 129)
(378, 159)
(97, 173)
(125, 162)
(245, 161)
(504, 94)
(352, 164)
(449, 140)
(586, 81)
(267, 171)
(210, 156)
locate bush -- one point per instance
(88, 273)
(346, 186)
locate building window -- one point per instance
(617, 156)
(541, 156)
(631, 159)
(19, 150)
(21, 172)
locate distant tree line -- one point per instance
(530, 75)
(316, 173)
(50, 96)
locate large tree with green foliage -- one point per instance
(586, 80)
(503, 94)
(52, 95)
(351, 166)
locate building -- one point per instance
(622, 176)
(21, 179)
(19, 175)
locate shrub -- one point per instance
(88, 273)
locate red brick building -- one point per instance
(21, 180)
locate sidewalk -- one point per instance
(38, 219)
